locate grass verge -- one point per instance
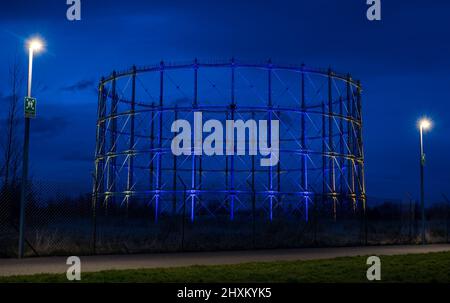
(414, 268)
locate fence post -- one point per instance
(448, 214)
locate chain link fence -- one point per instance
(58, 223)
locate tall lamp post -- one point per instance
(424, 124)
(34, 45)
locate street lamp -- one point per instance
(424, 124)
(34, 45)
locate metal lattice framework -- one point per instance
(321, 148)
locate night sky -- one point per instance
(403, 62)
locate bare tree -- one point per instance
(11, 144)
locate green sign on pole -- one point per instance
(30, 107)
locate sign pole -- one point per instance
(26, 143)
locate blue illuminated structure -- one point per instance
(321, 148)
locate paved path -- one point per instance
(30, 266)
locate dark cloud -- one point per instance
(49, 126)
(3, 98)
(80, 85)
(183, 102)
(80, 156)
(40, 87)
(5, 103)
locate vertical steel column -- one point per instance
(160, 133)
(332, 180)
(269, 108)
(200, 162)
(100, 143)
(279, 170)
(253, 196)
(130, 178)
(152, 145)
(361, 179)
(324, 156)
(112, 149)
(193, 156)
(350, 161)
(232, 109)
(103, 140)
(174, 176)
(304, 163)
(99, 160)
(227, 186)
(341, 151)
(361, 149)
